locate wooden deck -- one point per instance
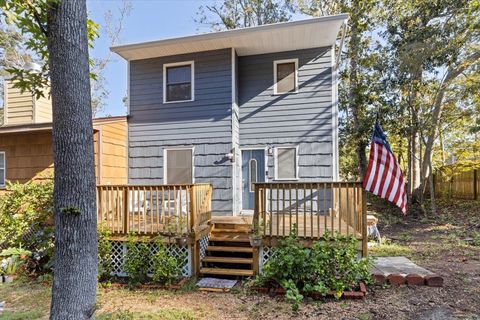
(309, 226)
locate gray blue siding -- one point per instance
(303, 118)
(220, 120)
(204, 124)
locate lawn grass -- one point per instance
(164, 314)
(390, 250)
(28, 299)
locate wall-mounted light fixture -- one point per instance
(270, 150)
(231, 156)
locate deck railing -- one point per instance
(149, 210)
(313, 207)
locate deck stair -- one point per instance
(229, 253)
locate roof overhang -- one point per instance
(278, 37)
(26, 128)
(47, 126)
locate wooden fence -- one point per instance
(149, 210)
(465, 185)
(314, 208)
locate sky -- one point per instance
(148, 20)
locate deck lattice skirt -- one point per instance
(119, 250)
(265, 254)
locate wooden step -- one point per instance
(227, 272)
(230, 238)
(230, 249)
(228, 260)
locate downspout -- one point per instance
(335, 115)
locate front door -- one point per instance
(253, 170)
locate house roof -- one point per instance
(47, 126)
(285, 36)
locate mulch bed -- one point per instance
(358, 294)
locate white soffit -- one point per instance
(286, 36)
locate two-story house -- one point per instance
(235, 107)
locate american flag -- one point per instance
(384, 177)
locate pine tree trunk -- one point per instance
(75, 266)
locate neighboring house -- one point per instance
(26, 141)
(235, 107)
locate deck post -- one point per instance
(193, 207)
(125, 211)
(195, 257)
(256, 209)
(256, 262)
(256, 226)
(364, 224)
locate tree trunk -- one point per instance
(362, 158)
(452, 73)
(355, 107)
(433, 204)
(75, 268)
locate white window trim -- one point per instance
(191, 63)
(165, 161)
(4, 184)
(275, 159)
(275, 63)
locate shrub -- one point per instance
(166, 269)
(335, 265)
(12, 260)
(289, 259)
(26, 219)
(104, 254)
(331, 264)
(137, 260)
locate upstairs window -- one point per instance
(178, 82)
(285, 76)
(286, 163)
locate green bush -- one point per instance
(289, 259)
(331, 264)
(26, 219)
(137, 260)
(104, 254)
(166, 269)
(335, 266)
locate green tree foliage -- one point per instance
(234, 14)
(23, 208)
(12, 54)
(360, 91)
(433, 47)
(26, 220)
(31, 21)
